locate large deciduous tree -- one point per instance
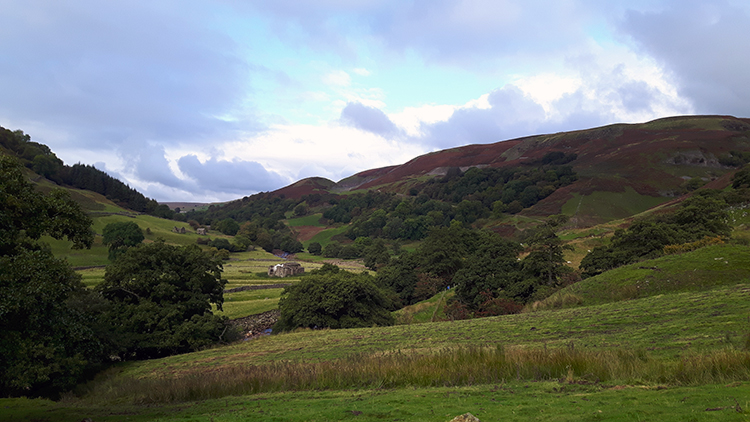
(161, 297)
(334, 299)
(120, 236)
(45, 344)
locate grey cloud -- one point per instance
(240, 177)
(704, 45)
(441, 30)
(636, 96)
(369, 119)
(150, 165)
(108, 71)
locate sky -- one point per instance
(208, 101)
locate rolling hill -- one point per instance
(648, 164)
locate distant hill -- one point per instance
(622, 169)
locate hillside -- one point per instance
(649, 163)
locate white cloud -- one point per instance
(337, 78)
(340, 150)
(361, 71)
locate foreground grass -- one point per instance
(512, 401)
(453, 367)
(651, 340)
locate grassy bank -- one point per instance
(699, 270)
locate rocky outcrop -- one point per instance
(256, 325)
(466, 417)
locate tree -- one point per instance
(291, 245)
(545, 258)
(493, 271)
(120, 236)
(376, 255)
(161, 298)
(334, 300)
(45, 344)
(315, 248)
(702, 215)
(300, 210)
(332, 250)
(227, 226)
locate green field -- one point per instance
(661, 352)
(325, 236)
(308, 220)
(611, 205)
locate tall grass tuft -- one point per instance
(458, 366)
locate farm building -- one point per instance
(285, 269)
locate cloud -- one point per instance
(600, 95)
(369, 119)
(236, 176)
(337, 78)
(108, 72)
(704, 46)
(150, 165)
(511, 114)
(463, 33)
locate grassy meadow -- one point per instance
(678, 356)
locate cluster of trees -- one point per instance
(735, 159)
(374, 251)
(155, 300)
(465, 197)
(87, 177)
(483, 269)
(262, 209)
(520, 186)
(480, 266)
(702, 215)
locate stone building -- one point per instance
(285, 269)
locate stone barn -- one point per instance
(285, 269)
